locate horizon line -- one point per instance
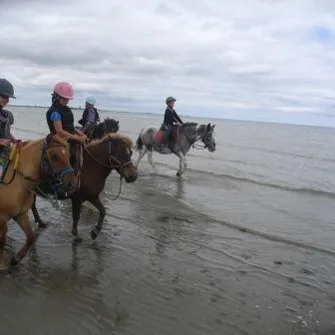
(191, 116)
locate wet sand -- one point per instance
(236, 247)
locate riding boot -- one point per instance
(170, 140)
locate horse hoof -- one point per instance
(77, 240)
(178, 174)
(15, 260)
(94, 234)
(42, 224)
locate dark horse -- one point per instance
(100, 157)
(101, 129)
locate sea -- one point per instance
(243, 243)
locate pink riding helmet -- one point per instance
(64, 90)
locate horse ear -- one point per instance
(213, 126)
(208, 128)
(117, 122)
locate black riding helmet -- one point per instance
(169, 99)
(6, 88)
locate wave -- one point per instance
(284, 153)
(301, 190)
(274, 238)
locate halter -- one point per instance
(200, 147)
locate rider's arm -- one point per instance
(11, 122)
(176, 117)
(56, 119)
(79, 132)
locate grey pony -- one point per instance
(189, 134)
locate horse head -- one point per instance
(208, 139)
(119, 155)
(201, 132)
(111, 125)
(56, 164)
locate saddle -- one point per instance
(166, 136)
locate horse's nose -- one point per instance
(70, 186)
(131, 177)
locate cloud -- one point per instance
(219, 58)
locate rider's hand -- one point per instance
(80, 139)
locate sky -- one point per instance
(255, 60)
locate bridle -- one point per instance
(56, 177)
(113, 163)
(206, 140)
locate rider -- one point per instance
(171, 118)
(60, 118)
(90, 115)
(6, 120)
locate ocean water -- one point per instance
(242, 244)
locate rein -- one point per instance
(198, 146)
(110, 165)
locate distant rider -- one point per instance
(90, 115)
(171, 118)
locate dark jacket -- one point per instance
(6, 120)
(171, 117)
(84, 118)
(67, 118)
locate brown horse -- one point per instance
(21, 178)
(113, 151)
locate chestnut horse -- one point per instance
(22, 176)
(100, 157)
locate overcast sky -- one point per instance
(245, 59)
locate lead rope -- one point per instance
(49, 198)
(118, 193)
(199, 147)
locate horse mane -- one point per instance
(190, 124)
(113, 137)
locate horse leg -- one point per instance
(102, 212)
(182, 165)
(24, 223)
(37, 218)
(3, 234)
(141, 154)
(185, 164)
(150, 154)
(76, 205)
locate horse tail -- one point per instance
(139, 143)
